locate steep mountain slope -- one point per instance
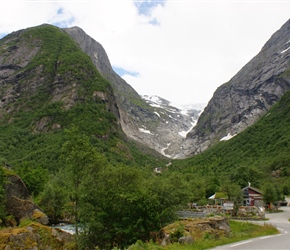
(238, 103)
(258, 155)
(137, 116)
(174, 124)
(47, 84)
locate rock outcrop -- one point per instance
(19, 203)
(185, 231)
(238, 103)
(35, 236)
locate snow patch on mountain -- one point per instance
(174, 123)
(227, 137)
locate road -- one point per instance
(277, 242)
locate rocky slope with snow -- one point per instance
(173, 124)
(151, 121)
(240, 102)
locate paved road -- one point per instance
(277, 242)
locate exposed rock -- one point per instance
(190, 229)
(16, 187)
(165, 240)
(19, 81)
(40, 217)
(19, 203)
(35, 237)
(186, 240)
(10, 221)
(238, 103)
(20, 208)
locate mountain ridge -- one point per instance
(238, 103)
(137, 117)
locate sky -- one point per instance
(180, 50)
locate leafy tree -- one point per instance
(270, 194)
(54, 197)
(234, 193)
(35, 178)
(78, 155)
(123, 204)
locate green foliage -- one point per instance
(239, 231)
(271, 194)
(25, 222)
(177, 233)
(122, 205)
(54, 198)
(2, 194)
(34, 177)
(250, 156)
(78, 155)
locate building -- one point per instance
(218, 198)
(253, 196)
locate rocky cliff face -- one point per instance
(156, 126)
(238, 103)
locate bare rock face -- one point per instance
(238, 103)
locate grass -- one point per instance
(239, 231)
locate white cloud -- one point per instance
(192, 49)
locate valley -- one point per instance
(79, 145)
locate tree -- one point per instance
(54, 197)
(34, 177)
(123, 204)
(78, 155)
(234, 193)
(270, 195)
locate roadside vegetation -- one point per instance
(239, 231)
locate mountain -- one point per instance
(47, 84)
(158, 126)
(240, 102)
(259, 154)
(174, 123)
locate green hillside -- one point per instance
(259, 155)
(32, 132)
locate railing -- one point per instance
(190, 214)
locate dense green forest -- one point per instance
(78, 164)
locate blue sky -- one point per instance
(122, 72)
(145, 7)
(179, 50)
